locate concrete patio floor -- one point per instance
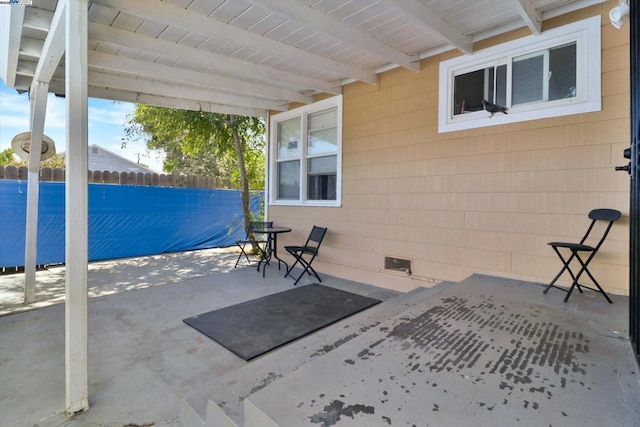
(142, 357)
(487, 351)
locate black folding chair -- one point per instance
(254, 240)
(305, 254)
(606, 215)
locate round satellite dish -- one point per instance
(21, 144)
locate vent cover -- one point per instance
(398, 264)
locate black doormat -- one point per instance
(255, 327)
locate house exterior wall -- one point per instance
(483, 200)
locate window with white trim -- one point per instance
(553, 74)
(306, 155)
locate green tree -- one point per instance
(8, 158)
(227, 147)
(55, 161)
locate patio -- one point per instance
(487, 350)
(459, 189)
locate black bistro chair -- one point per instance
(305, 254)
(573, 250)
(254, 239)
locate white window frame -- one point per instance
(303, 113)
(586, 35)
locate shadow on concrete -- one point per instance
(455, 354)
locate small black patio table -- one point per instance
(272, 246)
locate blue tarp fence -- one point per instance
(124, 221)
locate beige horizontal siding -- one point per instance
(482, 200)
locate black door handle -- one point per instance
(627, 168)
(627, 155)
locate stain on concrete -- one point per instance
(365, 354)
(459, 336)
(475, 356)
(271, 377)
(334, 411)
(329, 347)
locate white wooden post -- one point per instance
(76, 209)
(38, 104)
(52, 52)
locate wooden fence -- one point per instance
(118, 178)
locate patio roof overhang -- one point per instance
(227, 56)
(250, 56)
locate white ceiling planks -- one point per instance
(248, 56)
(320, 22)
(173, 52)
(432, 21)
(114, 63)
(191, 21)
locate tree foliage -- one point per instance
(8, 158)
(225, 146)
(200, 143)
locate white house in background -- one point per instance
(101, 159)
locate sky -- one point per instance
(107, 123)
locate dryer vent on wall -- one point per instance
(398, 264)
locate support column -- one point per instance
(38, 104)
(76, 209)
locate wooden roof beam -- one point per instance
(54, 46)
(168, 90)
(320, 22)
(128, 39)
(163, 101)
(11, 19)
(124, 64)
(166, 13)
(422, 14)
(529, 15)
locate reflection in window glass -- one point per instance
(305, 165)
(528, 79)
(321, 179)
(545, 76)
(320, 165)
(323, 141)
(289, 180)
(542, 76)
(322, 132)
(553, 74)
(562, 67)
(289, 139)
